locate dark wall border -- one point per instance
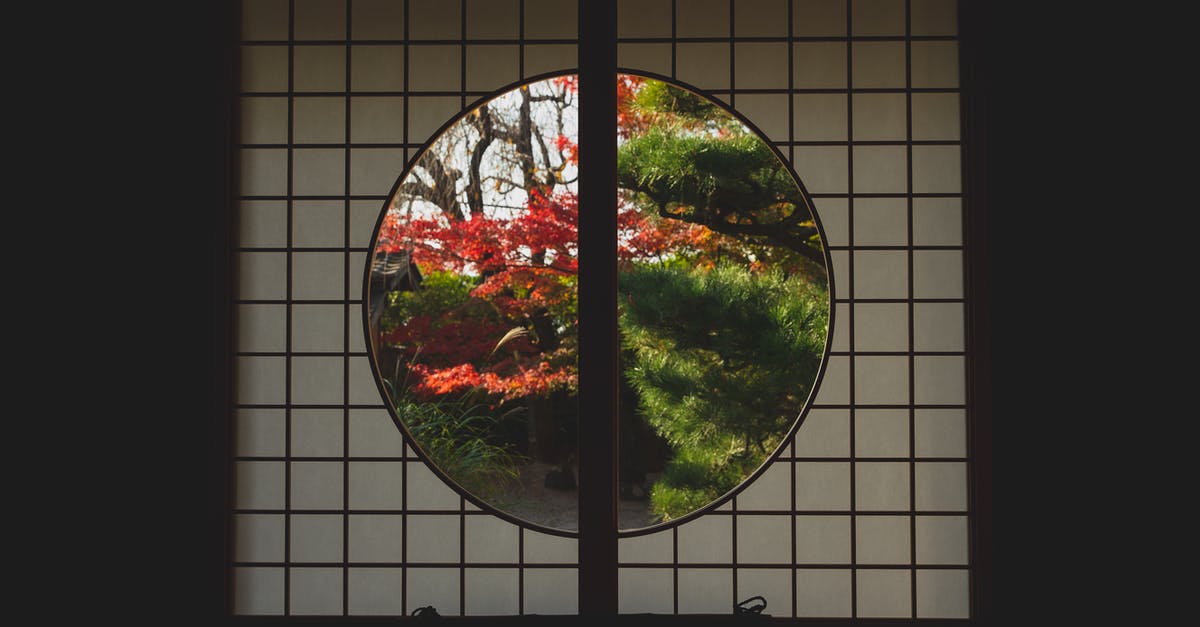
(973, 70)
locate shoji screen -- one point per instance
(333, 514)
(866, 514)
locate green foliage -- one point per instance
(460, 438)
(722, 362)
(439, 292)
(690, 482)
(681, 107)
(703, 174)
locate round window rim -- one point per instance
(411, 443)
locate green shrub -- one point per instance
(460, 438)
(439, 293)
(690, 482)
(722, 362)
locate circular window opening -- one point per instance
(723, 303)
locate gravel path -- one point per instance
(531, 500)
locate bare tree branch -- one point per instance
(442, 189)
(483, 123)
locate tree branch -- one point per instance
(781, 233)
(442, 190)
(484, 124)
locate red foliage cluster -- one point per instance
(642, 237)
(568, 82)
(568, 148)
(485, 244)
(538, 380)
(527, 262)
(456, 337)
(391, 234)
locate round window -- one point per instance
(723, 302)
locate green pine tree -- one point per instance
(722, 362)
(698, 164)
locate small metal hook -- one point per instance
(744, 608)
